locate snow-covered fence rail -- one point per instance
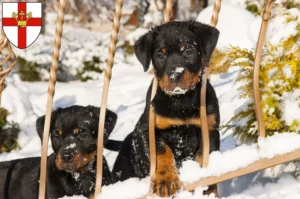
(269, 152)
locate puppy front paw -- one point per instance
(165, 184)
(212, 189)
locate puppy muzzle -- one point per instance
(74, 162)
(178, 81)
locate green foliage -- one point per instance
(8, 133)
(254, 7)
(279, 81)
(222, 61)
(8, 138)
(28, 71)
(3, 116)
(291, 4)
(128, 48)
(31, 71)
(3, 86)
(89, 69)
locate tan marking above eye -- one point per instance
(164, 50)
(60, 132)
(182, 47)
(77, 130)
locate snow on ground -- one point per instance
(233, 28)
(239, 27)
(27, 101)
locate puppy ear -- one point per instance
(40, 122)
(110, 120)
(208, 37)
(143, 49)
(40, 126)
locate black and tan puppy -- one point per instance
(179, 51)
(71, 168)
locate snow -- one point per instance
(27, 101)
(290, 106)
(71, 146)
(131, 188)
(179, 70)
(233, 25)
(76, 176)
(238, 27)
(286, 187)
(153, 17)
(267, 148)
(134, 36)
(287, 71)
(278, 29)
(178, 90)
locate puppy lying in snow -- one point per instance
(71, 168)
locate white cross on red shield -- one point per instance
(22, 22)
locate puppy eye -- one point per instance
(182, 47)
(189, 51)
(83, 135)
(77, 130)
(57, 133)
(161, 55)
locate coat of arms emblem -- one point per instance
(22, 22)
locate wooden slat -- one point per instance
(256, 166)
(107, 77)
(204, 128)
(50, 95)
(257, 103)
(152, 142)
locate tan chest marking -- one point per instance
(162, 122)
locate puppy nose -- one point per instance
(175, 77)
(177, 74)
(68, 155)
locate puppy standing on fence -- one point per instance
(179, 51)
(71, 168)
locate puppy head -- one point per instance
(74, 132)
(179, 51)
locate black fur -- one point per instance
(197, 41)
(20, 178)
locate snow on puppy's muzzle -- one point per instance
(178, 81)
